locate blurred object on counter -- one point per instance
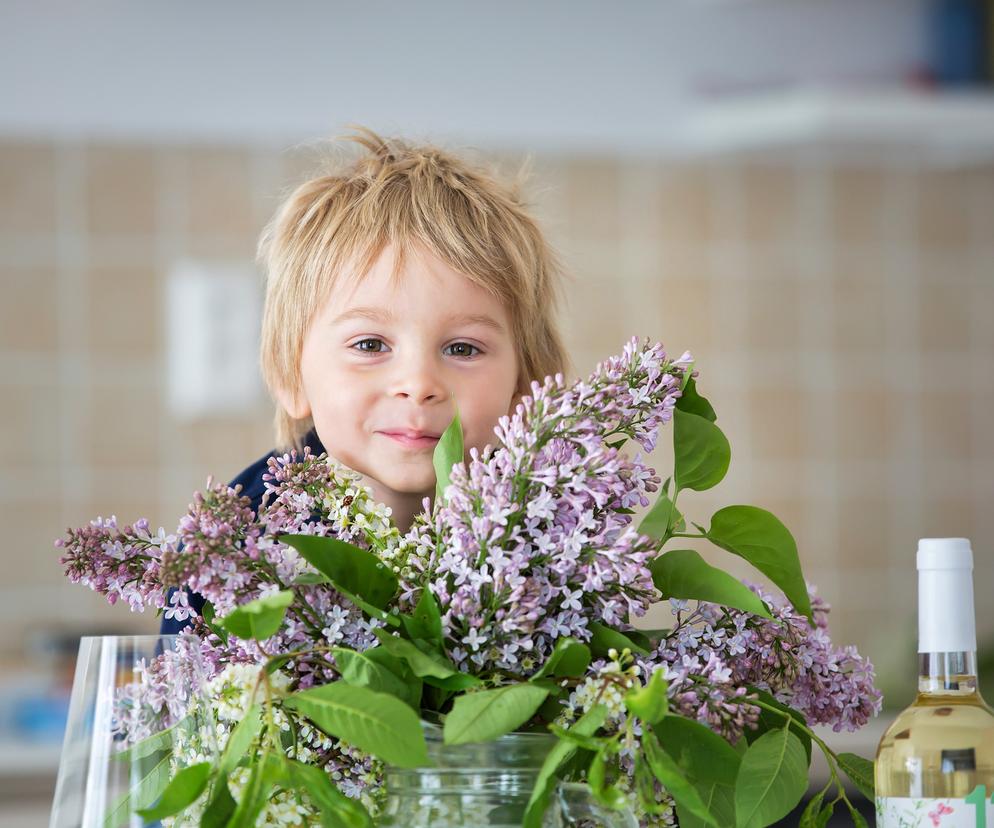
(960, 42)
(34, 700)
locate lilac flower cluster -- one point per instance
(163, 694)
(230, 555)
(534, 541)
(121, 563)
(715, 653)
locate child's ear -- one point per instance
(295, 403)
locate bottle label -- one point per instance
(973, 811)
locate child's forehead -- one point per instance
(423, 280)
(346, 308)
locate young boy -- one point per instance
(402, 286)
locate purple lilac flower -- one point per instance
(230, 555)
(715, 652)
(534, 540)
(121, 563)
(166, 690)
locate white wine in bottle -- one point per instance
(935, 764)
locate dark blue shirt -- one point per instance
(253, 488)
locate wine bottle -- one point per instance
(935, 764)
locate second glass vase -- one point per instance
(137, 716)
(487, 785)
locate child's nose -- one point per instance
(420, 381)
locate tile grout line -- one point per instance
(725, 263)
(981, 478)
(902, 323)
(171, 243)
(822, 513)
(74, 368)
(636, 193)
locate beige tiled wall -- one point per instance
(841, 319)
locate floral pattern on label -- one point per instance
(912, 812)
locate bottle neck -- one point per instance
(947, 673)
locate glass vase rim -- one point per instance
(434, 731)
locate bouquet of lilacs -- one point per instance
(329, 637)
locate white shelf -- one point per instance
(20, 758)
(882, 124)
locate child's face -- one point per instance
(405, 369)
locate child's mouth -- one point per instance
(412, 442)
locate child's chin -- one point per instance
(411, 484)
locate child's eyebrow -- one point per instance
(381, 315)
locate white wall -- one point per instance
(562, 74)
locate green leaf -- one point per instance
(145, 792)
(826, 815)
(553, 706)
(859, 771)
(209, 615)
(545, 783)
(704, 756)
(660, 520)
(760, 538)
(856, 816)
(650, 701)
(673, 779)
(569, 658)
(605, 639)
(810, 813)
(379, 671)
(448, 451)
(267, 772)
(645, 787)
(274, 663)
(693, 403)
(240, 740)
(683, 573)
(432, 667)
(258, 619)
(718, 799)
(311, 578)
(608, 795)
(454, 683)
(649, 638)
(184, 789)
(486, 714)
(772, 779)
(220, 806)
(356, 571)
(639, 638)
(701, 452)
(769, 720)
(163, 740)
(426, 620)
(335, 808)
(569, 734)
(374, 722)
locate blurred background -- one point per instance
(801, 193)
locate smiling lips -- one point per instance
(413, 438)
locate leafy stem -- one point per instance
(830, 756)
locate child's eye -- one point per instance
(367, 350)
(465, 349)
(464, 345)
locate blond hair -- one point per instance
(401, 194)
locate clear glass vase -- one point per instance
(487, 784)
(137, 715)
